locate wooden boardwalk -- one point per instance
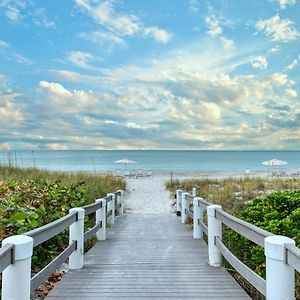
(148, 256)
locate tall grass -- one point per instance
(96, 185)
(234, 193)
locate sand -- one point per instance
(148, 195)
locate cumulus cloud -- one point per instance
(259, 62)
(281, 30)
(280, 78)
(284, 3)
(291, 93)
(121, 25)
(227, 43)
(158, 34)
(5, 146)
(80, 59)
(11, 115)
(274, 49)
(202, 104)
(213, 25)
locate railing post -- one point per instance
(111, 206)
(16, 277)
(198, 215)
(121, 201)
(194, 192)
(101, 217)
(178, 202)
(184, 207)
(214, 230)
(77, 234)
(280, 277)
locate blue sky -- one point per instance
(139, 74)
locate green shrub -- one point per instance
(29, 204)
(278, 213)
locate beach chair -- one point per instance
(119, 173)
(127, 174)
(140, 174)
(149, 174)
(247, 172)
(132, 173)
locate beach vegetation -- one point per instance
(30, 198)
(270, 204)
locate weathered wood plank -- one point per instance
(148, 256)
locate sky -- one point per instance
(139, 74)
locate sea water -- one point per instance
(99, 161)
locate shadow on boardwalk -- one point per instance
(148, 256)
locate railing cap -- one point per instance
(80, 212)
(23, 246)
(211, 209)
(100, 200)
(275, 246)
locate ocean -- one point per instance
(99, 161)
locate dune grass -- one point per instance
(234, 193)
(96, 185)
(269, 203)
(30, 198)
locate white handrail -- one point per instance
(19, 270)
(282, 257)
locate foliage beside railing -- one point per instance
(278, 213)
(28, 204)
(234, 193)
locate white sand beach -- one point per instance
(147, 195)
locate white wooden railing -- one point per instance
(282, 256)
(16, 251)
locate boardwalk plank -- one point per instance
(148, 256)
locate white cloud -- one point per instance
(11, 116)
(274, 49)
(103, 38)
(13, 9)
(80, 59)
(227, 43)
(158, 34)
(284, 3)
(121, 24)
(294, 63)
(3, 44)
(40, 18)
(21, 59)
(280, 78)
(5, 146)
(259, 62)
(56, 146)
(194, 6)
(213, 25)
(291, 93)
(278, 29)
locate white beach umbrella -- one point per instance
(125, 162)
(274, 162)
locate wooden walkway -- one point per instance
(148, 256)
